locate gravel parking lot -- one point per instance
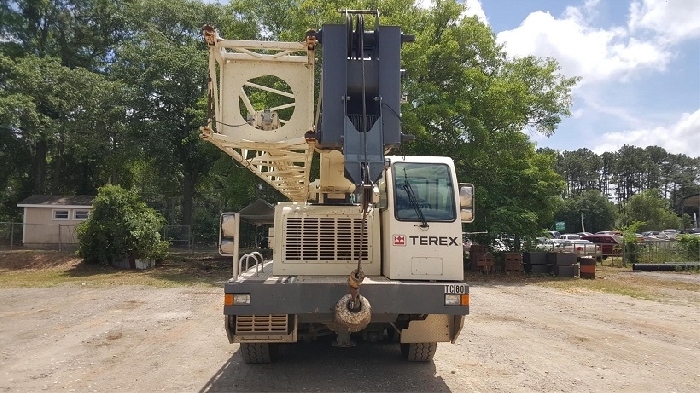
(520, 337)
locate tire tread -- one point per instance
(256, 353)
(419, 352)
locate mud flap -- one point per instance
(456, 322)
(434, 328)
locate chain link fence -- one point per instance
(678, 251)
(61, 237)
(179, 236)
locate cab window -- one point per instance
(423, 188)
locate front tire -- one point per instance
(258, 353)
(418, 352)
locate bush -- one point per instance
(689, 247)
(120, 226)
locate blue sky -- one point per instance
(639, 61)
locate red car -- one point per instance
(610, 244)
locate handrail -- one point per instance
(258, 263)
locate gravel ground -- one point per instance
(519, 338)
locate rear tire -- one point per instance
(258, 353)
(418, 352)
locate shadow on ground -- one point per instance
(184, 269)
(318, 366)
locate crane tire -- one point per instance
(257, 353)
(418, 352)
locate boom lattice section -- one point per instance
(262, 101)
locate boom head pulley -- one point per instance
(361, 93)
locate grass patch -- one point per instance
(623, 281)
(606, 285)
(21, 268)
(610, 278)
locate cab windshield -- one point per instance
(423, 189)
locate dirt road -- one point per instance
(519, 338)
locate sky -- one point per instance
(639, 61)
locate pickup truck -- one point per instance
(609, 244)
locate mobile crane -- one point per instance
(373, 246)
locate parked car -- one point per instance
(578, 247)
(569, 236)
(615, 233)
(670, 233)
(610, 244)
(584, 233)
(547, 244)
(554, 234)
(585, 248)
(653, 235)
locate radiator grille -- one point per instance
(325, 239)
(274, 323)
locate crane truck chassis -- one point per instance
(373, 246)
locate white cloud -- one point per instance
(473, 9)
(674, 20)
(593, 53)
(633, 51)
(682, 137)
(578, 113)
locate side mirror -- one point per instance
(228, 234)
(466, 202)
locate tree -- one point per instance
(581, 169)
(657, 157)
(69, 121)
(81, 33)
(470, 102)
(652, 211)
(166, 62)
(120, 226)
(628, 171)
(594, 208)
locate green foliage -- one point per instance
(67, 126)
(580, 169)
(120, 226)
(599, 214)
(629, 231)
(651, 210)
(471, 102)
(629, 171)
(518, 192)
(688, 247)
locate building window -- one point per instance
(61, 215)
(81, 215)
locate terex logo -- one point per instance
(434, 240)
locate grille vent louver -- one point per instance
(325, 239)
(274, 323)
